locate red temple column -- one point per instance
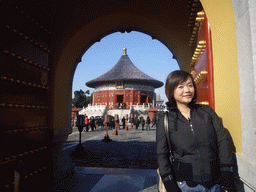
(139, 97)
(113, 99)
(107, 99)
(124, 99)
(132, 97)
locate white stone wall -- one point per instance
(245, 18)
(94, 110)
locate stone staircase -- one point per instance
(119, 112)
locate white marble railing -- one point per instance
(101, 110)
(94, 110)
(96, 106)
(145, 107)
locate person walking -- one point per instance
(118, 124)
(112, 122)
(102, 122)
(92, 123)
(123, 121)
(136, 122)
(86, 122)
(202, 157)
(142, 121)
(97, 122)
(148, 123)
(154, 121)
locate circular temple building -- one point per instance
(124, 85)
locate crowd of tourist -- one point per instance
(93, 123)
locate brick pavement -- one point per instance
(130, 149)
(127, 164)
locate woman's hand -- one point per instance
(228, 189)
(171, 186)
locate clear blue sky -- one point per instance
(150, 56)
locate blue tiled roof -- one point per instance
(124, 70)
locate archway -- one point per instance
(64, 24)
(176, 40)
(171, 32)
(64, 61)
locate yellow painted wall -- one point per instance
(220, 15)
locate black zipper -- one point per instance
(192, 130)
(197, 149)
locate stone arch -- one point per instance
(71, 27)
(229, 21)
(75, 41)
(76, 46)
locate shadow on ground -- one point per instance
(118, 154)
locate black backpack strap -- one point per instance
(166, 127)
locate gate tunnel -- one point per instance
(42, 42)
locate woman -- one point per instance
(123, 121)
(92, 123)
(136, 122)
(86, 121)
(203, 159)
(142, 121)
(148, 123)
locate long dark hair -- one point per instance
(174, 79)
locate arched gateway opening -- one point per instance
(179, 33)
(134, 62)
(38, 90)
(177, 41)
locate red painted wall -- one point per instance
(130, 97)
(205, 85)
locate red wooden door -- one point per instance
(202, 63)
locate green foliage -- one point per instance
(81, 99)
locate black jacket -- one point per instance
(200, 147)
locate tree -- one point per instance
(81, 100)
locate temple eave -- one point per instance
(153, 83)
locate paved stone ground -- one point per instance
(130, 149)
(94, 179)
(126, 164)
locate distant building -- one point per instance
(122, 90)
(159, 101)
(124, 85)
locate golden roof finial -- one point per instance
(124, 51)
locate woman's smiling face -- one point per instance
(184, 92)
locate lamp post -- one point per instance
(116, 120)
(73, 120)
(107, 121)
(79, 151)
